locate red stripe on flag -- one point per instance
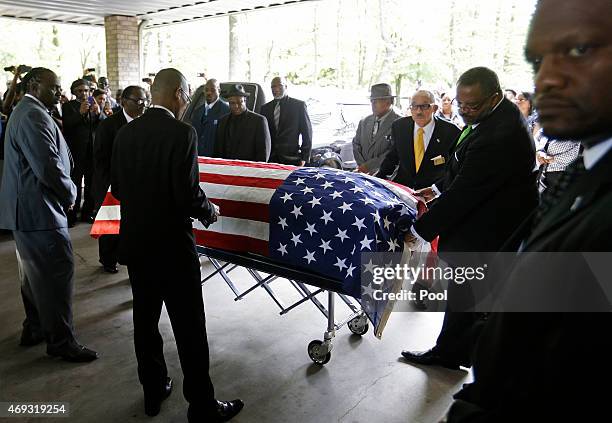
(208, 160)
(104, 227)
(231, 242)
(243, 210)
(243, 181)
(109, 200)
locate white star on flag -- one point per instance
(307, 190)
(327, 184)
(340, 264)
(282, 249)
(369, 267)
(347, 180)
(367, 201)
(325, 246)
(318, 176)
(310, 228)
(376, 216)
(286, 197)
(349, 271)
(342, 235)
(404, 211)
(296, 239)
(393, 245)
(387, 223)
(344, 207)
(299, 181)
(327, 217)
(315, 202)
(356, 189)
(368, 184)
(296, 211)
(359, 223)
(309, 256)
(283, 222)
(336, 194)
(366, 243)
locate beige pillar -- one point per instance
(122, 51)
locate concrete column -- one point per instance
(122, 51)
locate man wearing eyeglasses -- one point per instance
(487, 190)
(421, 143)
(133, 102)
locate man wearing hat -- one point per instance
(242, 135)
(373, 138)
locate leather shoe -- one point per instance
(153, 400)
(224, 412)
(110, 268)
(429, 358)
(29, 339)
(74, 353)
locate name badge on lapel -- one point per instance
(438, 160)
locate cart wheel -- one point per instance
(357, 326)
(314, 352)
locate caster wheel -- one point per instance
(358, 326)
(315, 354)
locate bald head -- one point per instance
(211, 90)
(279, 87)
(170, 90)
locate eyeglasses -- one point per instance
(139, 101)
(474, 107)
(187, 97)
(421, 107)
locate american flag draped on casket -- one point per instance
(315, 219)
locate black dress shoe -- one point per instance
(29, 339)
(110, 268)
(74, 353)
(154, 398)
(224, 412)
(429, 358)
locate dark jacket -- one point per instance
(206, 125)
(402, 153)
(102, 153)
(250, 139)
(293, 122)
(79, 131)
(155, 175)
(488, 187)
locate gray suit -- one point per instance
(371, 150)
(36, 190)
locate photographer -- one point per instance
(80, 118)
(101, 99)
(14, 94)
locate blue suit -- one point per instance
(205, 123)
(36, 190)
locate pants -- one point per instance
(108, 247)
(82, 176)
(177, 284)
(46, 272)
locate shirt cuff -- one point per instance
(436, 190)
(415, 233)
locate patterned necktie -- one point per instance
(464, 134)
(419, 148)
(376, 126)
(277, 114)
(551, 196)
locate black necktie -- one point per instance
(551, 196)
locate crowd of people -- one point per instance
(471, 155)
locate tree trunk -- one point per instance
(234, 49)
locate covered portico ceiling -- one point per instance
(155, 12)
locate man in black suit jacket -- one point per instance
(80, 118)
(133, 101)
(205, 118)
(155, 176)
(242, 135)
(549, 366)
(438, 136)
(287, 120)
(487, 190)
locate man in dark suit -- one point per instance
(288, 120)
(133, 102)
(487, 190)
(549, 366)
(155, 176)
(36, 192)
(242, 135)
(421, 144)
(205, 118)
(80, 118)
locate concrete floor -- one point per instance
(256, 355)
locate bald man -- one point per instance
(289, 125)
(206, 117)
(155, 175)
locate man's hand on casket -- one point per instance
(427, 194)
(213, 217)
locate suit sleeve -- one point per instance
(263, 141)
(306, 131)
(357, 144)
(481, 174)
(41, 151)
(198, 205)
(391, 159)
(116, 164)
